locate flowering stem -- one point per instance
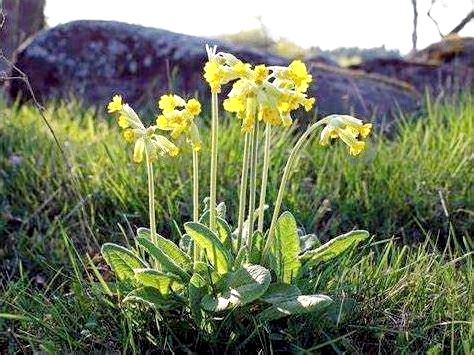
(253, 184)
(195, 186)
(196, 198)
(286, 174)
(263, 189)
(151, 196)
(243, 190)
(214, 137)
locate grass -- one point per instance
(410, 289)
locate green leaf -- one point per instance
(287, 245)
(212, 303)
(156, 279)
(223, 228)
(245, 286)
(242, 257)
(167, 263)
(151, 297)
(295, 306)
(279, 292)
(257, 247)
(207, 272)
(214, 249)
(170, 249)
(334, 247)
(196, 291)
(122, 261)
(248, 283)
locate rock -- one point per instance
(446, 67)
(320, 59)
(372, 96)
(453, 49)
(23, 18)
(94, 59)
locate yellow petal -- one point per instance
(356, 148)
(115, 105)
(123, 122)
(162, 123)
(193, 107)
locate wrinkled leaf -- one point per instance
(122, 261)
(287, 246)
(170, 249)
(223, 228)
(245, 286)
(295, 306)
(280, 292)
(166, 262)
(151, 297)
(242, 257)
(215, 304)
(257, 248)
(186, 244)
(197, 289)
(207, 272)
(334, 247)
(156, 279)
(210, 243)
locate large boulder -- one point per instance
(94, 59)
(446, 67)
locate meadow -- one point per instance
(410, 288)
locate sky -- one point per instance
(325, 23)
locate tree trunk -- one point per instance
(22, 19)
(414, 36)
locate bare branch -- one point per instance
(463, 23)
(432, 18)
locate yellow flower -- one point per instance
(146, 140)
(115, 105)
(349, 129)
(234, 104)
(193, 107)
(123, 122)
(180, 121)
(241, 69)
(170, 102)
(298, 73)
(269, 115)
(309, 103)
(214, 75)
(260, 74)
(129, 135)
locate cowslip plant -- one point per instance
(216, 268)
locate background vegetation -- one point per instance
(410, 288)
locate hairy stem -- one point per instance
(243, 190)
(196, 198)
(214, 137)
(263, 188)
(253, 184)
(284, 179)
(151, 196)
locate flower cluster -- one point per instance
(178, 117)
(349, 129)
(146, 140)
(262, 93)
